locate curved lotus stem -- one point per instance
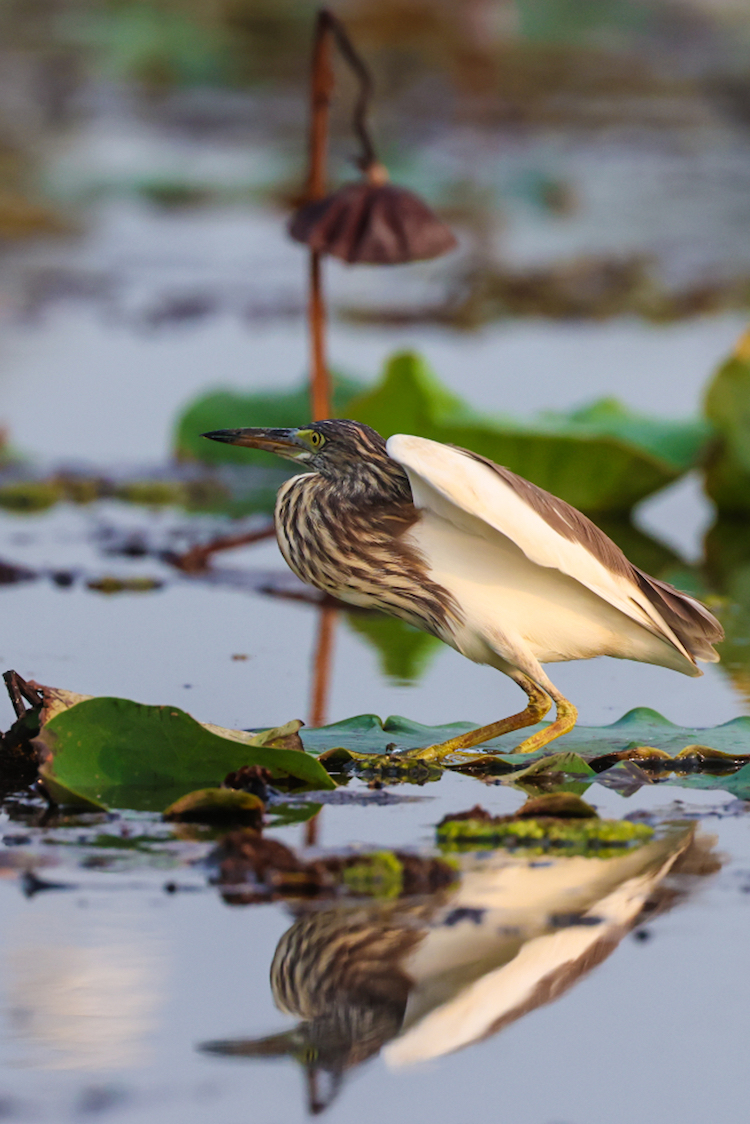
(320, 101)
(363, 76)
(327, 30)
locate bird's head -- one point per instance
(347, 452)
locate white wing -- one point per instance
(460, 996)
(467, 493)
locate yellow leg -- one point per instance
(567, 716)
(539, 704)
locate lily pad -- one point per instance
(109, 752)
(231, 409)
(566, 762)
(217, 805)
(367, 733)
(690, 756)
(727, 407)
(603, 458)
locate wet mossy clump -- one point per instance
(272, 871)
(30, 495)
(558, 823)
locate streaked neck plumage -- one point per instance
(345, 535)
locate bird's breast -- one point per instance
(358, 553)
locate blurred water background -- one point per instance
(593, 157)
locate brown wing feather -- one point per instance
(691, 622)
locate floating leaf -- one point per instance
(231, 409)
(377, 874)
(565, 762)
(727, 406)
(700, 757)
(217, 805)
(367, 733)
(727, 549)
(111, 584)
(601, 458)
(117, 753)
(152, 493)
(563, 805)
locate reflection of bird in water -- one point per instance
(434, 974)
(338, 970)
(499, 569)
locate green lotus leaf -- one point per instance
(727, 407)
(603, 458)
(231, 409)
(217, 805)
(690, 756)
(109, 752)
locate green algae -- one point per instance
(590, 837)
(380, 874)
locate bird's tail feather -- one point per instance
(692, 623)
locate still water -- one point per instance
(113, 981)
(114, 977)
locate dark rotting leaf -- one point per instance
(693, 758)
(18, 690)
(246, 857)
(62, 578)
(372, 224)
(464, 913)
(251, 778)
(477, 814)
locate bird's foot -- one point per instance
(465, 749)
(566, 718)
(438, 755)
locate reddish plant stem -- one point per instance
(322, 669)
(322, 665)
(320, 377)
(321, 92)
(198, 558)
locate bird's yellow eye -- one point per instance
(316, 439)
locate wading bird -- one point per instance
(501, 570)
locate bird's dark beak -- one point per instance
(283, 442)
